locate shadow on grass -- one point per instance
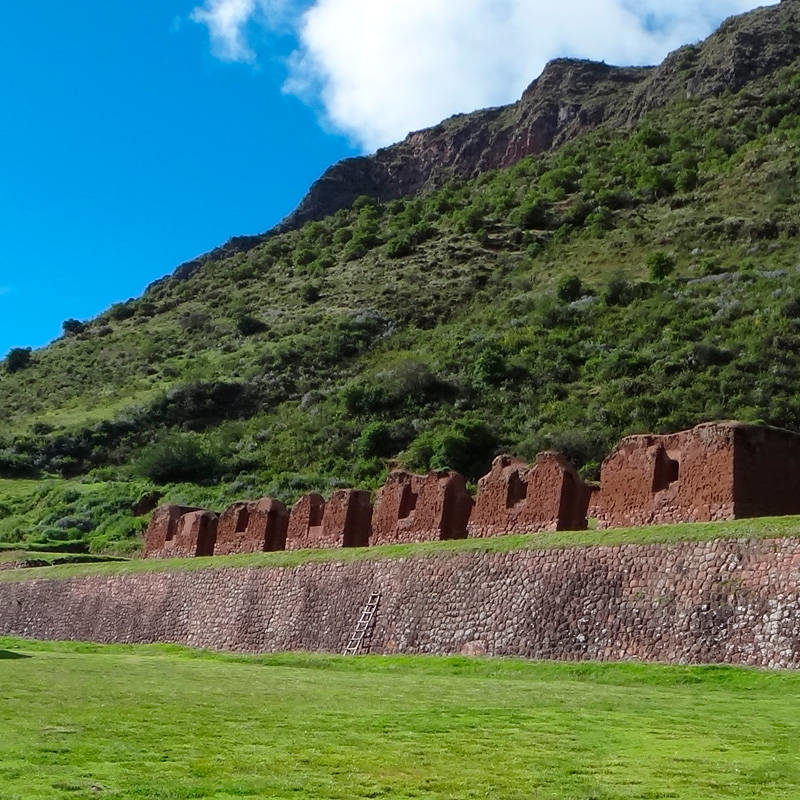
(8, 654)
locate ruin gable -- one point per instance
(342, 521)
(715, 471)
(419, 508)
(518, 498)
(162, 528)
(252, 527)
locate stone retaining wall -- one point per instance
(732, 602)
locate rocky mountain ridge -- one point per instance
(569, 98)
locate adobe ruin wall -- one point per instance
(733, 602)
(713, 472)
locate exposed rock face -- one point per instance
(568, 99)
(342, 521)
(420, 508)
(716, 471)
(252, 527)
(517, 498)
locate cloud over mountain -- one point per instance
(380, 68)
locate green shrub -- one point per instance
(248, 325)
(619, 291)
(178, 458)
(120, 311)
(18, 358)
(467, 446)
(311, 292)
(375, 441)
(72, 327)
(570, 288)
(660, 265)
(399, 247)
(490, 366)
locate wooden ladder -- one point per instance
(363, 625)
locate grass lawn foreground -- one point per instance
(81, 721)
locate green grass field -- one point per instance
(88, 721)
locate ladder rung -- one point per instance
(363, 624)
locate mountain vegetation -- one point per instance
(642, 275)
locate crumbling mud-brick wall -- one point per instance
(716, 471)
(732, 602)
(766, 471)
(680, 477)
(252, 527)
(518, 498)
(195, 535)
(343, 521)
(162, 528)
(419, 508)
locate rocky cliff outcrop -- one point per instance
(568, 99)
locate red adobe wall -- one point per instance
(680, 477)
(195, 535)
(766, 469)
(252, 527)
(419, 508)
(162, 528)
(342, 521)
(517, 498)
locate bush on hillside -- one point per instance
(570, 288)
(178, 458)
(18, 358)
(660, 265)
(248, 325)
(72, 327)
(467, 446)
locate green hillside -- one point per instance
(636, 279)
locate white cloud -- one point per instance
(228, 21)
(381, 68)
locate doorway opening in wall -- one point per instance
(242, 520)
(408, 502)
(315, 515)
(667, 471)
(517, 490)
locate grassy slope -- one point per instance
(160, 722)
(464, 329)
(766, 528)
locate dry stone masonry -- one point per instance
(716, 471)
(734, 602)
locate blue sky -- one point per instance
(136, 136)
